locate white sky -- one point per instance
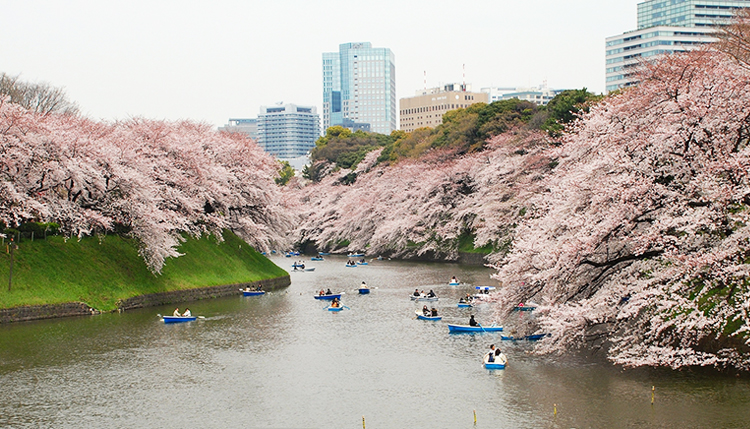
(213, 60)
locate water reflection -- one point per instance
(282, 360)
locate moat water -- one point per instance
(284, 361)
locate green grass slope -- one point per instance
(101, 272)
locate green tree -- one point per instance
(286, 172)
(565, 107)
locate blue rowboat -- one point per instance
(431, 318)
(328, 297)
(356, 255)
(350, 266)
(453, 283)
(364, 291)
(535, 337)
(467, 328)
(464, 305)
(511, 338)
(335, 308)
(494, 365)
(485, 288)
(315, 258)
(523, 308)
(252, 292)
(323, 253)
(178, 319)
(288, 255)
(362, 263)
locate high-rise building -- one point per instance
(359, 88)
(288, 131)
(664, 26)
(427, 107)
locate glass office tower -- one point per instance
(664, 27)
(359, 88)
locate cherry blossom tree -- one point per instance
(157, 180)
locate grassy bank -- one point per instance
(101, 272)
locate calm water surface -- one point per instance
(283, 361)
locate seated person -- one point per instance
(489, 357)
(431, 294)
(321, 293)
(425, 311)
(187, 313)
(462, 300)
(416, 292)
(500, 357)
(433, 312)
(335, 303)
(472, 322)
(176, 312)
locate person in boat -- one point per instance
(425, 311)
(431, 294)
(260, 287)
(416, 292)
(462, 300)
(500, 357)
(328, 292)
(321, 293)
(454, 279)
(176, 312)
(472, 322)
(335, 303)
(363, 286)
(433, 312)
(362, 261)
(247, 289)
(489, 357)
(187, 313)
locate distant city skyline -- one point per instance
(209, 62)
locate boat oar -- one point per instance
(343, 306)
(480, 325)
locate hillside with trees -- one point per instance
(153, 181)
(628, 227)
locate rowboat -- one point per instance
(431, 318)
(467, 328)
(362, 263)
(335, 308)
(364, 291)
(523, 308)
(323, 253)
(423, 298)
(488, 365)
(178, 319)
(315, 258)
(464, 305)
(356, 255)
(328, 297)
(453, 283)
(308, 269)
(252, 292)
(485, 288)
(351, 266)
(535, 337)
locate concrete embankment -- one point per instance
(50, 311)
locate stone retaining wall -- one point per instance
(49, 311)
(172, 297)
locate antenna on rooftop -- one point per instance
(463, 83)
(425, 80)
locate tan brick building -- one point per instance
(426, 109)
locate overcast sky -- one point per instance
(218, 59)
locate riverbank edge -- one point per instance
(70, 309)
